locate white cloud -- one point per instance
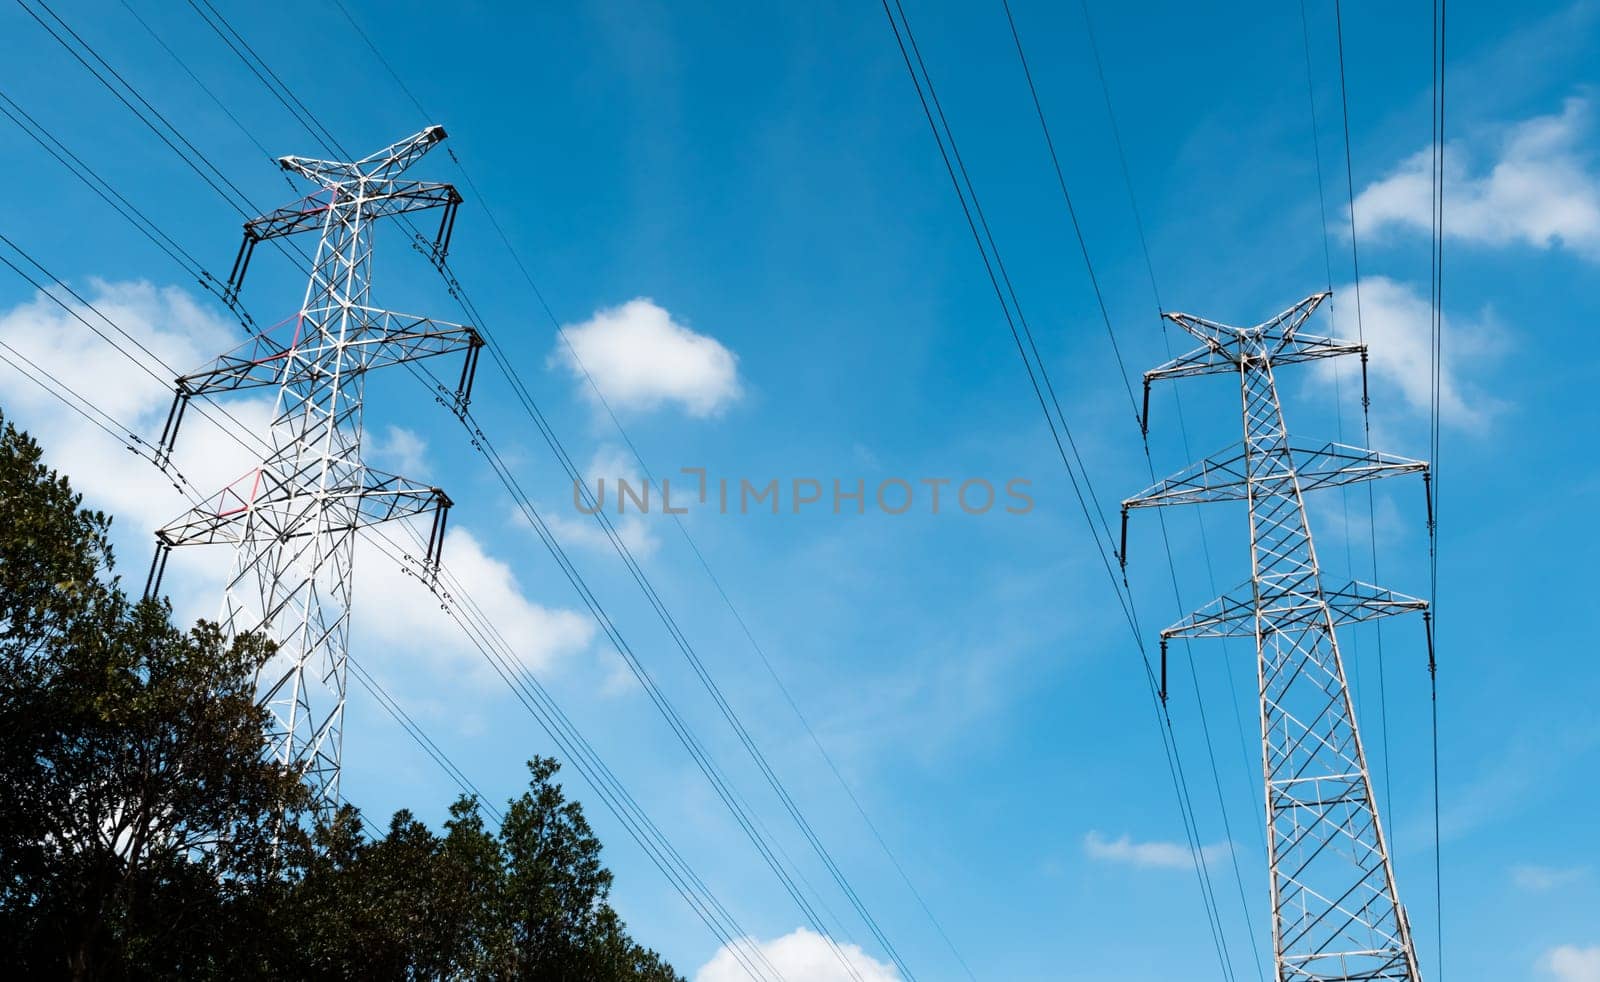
(169, 323)
(1148, 855)
(1541, 189)
(801, 954)
(1539, 879)
(1396, 322)
(1569, 963)
(395, 611)
(642, 359)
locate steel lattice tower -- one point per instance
(293, 519)
(1336, 913)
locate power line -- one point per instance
(458, 602)
(423, 740)
(1177, 401)
(992, 262)
(1436, 359)
(1122, 372)
(223, 106)
(700, 557)
(680, 728)
(233, 199)
(73, 163)
(1122, 155)
(706, 567)
(1366, 415)
(1072, 212)
(720, 784)
(1336, 370)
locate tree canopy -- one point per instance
(144, 834)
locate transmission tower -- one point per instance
(293, 519)
(1336, 913)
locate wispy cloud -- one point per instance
(641, 359)
(571, 527)
(1539, 879)
(1148, 855)
(801, 954)
(1569, 963)
(400, 451)
(1533, 184)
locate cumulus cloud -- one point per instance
(642, 359)
(176, 331)
(1538, 187)
(1569, 963)
(1148, 855)
(801, 954)
(1396, 321)
(393, 611)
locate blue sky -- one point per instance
(742, 215)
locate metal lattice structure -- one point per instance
(1336, 913)
(293, 519)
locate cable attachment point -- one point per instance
(1366, 401)
(1427, 492)
(241, 263)
(1163, 670)
(435, 550)
(1427, 629)
(169, 432)
(462, 398)
(1122, 551)
(158, 568)
(447, 227)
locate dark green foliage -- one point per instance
(526, 903)
(143, 834)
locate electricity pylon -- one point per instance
(1336, 913)
(293, 519)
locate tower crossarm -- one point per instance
(1283, 326)
(350, 196)
(380, 200)
(1233, 615)
(1221, 355)
(377, 339)
(1225, 349)
(262, 506)
(1224, 476)
(381, 165)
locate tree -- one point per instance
(530, 902)
(557, 892)
(145, 834)
(134, 797)
(53, 552)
